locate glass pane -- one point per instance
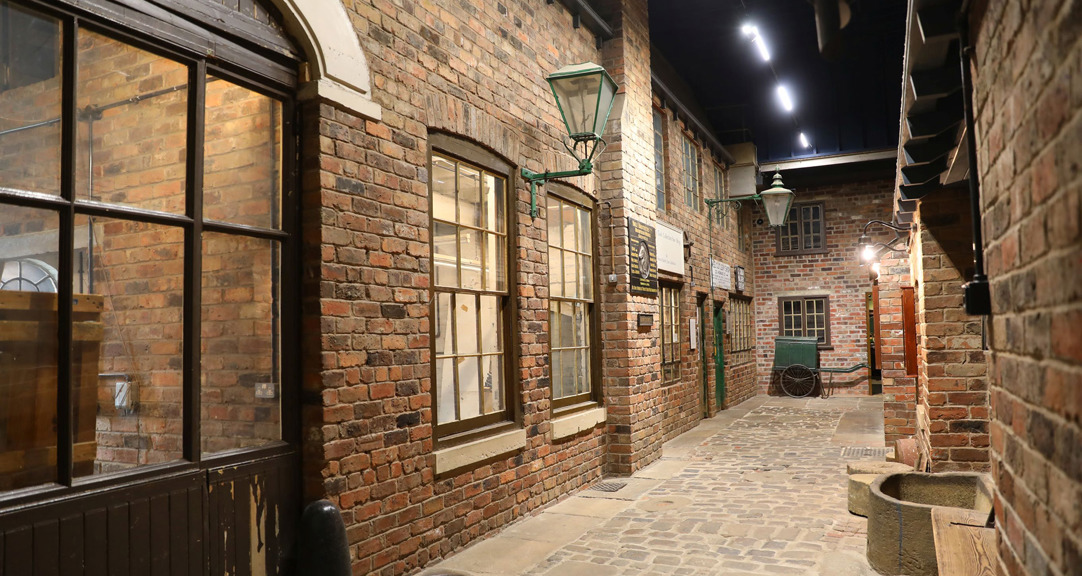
(466, 323)
(490, 324)
(240, 358)
(586, 277)
(569, 367)
(578, 101)
(137, 273)
(554, 324)
(556, 273)
(470, 244)
(582, 337)
(492, 384)
(557, 376)
(28, 351)
(442, 323)
(583, 378)
(554, 211)
(571, 275)
(495, 265)
(242, 156)
(132, 128)
(567, 325)
(30, 100)
(469, 196)
(443, 189)
(494, 203)
(445, 390)
(445, 253)
(469, 387)
(567, 226)
(585, 244)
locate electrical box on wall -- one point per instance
(744, 172)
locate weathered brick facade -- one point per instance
(1027, 97)
(833, 272)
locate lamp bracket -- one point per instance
(586, 166)
(726, 204)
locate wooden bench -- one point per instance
(963, 545)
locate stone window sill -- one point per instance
(571, 424)
(477, 451)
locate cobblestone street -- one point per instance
(759, 489)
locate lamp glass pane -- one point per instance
(777, 205)
(604, 104)
(577, 97)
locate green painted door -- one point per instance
(719, 355)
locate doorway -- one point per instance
(719, 355)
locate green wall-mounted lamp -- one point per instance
(584, 94)
(776, 201)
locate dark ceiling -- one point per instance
(848, 105)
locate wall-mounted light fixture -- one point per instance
(869, 251)
(776, 201)
(584, 94)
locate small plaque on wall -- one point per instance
(740, 278)
(646, 320)
(643, 258)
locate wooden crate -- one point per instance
(28, 385)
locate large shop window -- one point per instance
(670, 334)
(659, 160)
(143, 239)
(742, 328)
(807, 316)
(470, 305)
(690, 157)
(805, 230)
(571, 299)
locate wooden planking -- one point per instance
(120, 527)
(963, 546)
(242, 525)
(71, 544)
(17, 563)
(178, 533)
(139, 553)
(226, 533)
(213, 542)
(46, 542)
(197, 504)
(272, 502)
(1, 554)
(95, 544)
(159, 534)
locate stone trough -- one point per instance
(899, 516)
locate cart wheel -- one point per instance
(797, 380)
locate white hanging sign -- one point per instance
(670, 248)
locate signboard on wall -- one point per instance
(721, 275)
(739, 278)
(643, 258)
(670, 249)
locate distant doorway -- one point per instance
(875, 382)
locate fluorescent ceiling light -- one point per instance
(752, 32)
(804, 141)
(786, 101)
(749, 30)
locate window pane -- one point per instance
(585, 243)
(131, 141)
(469, 387)
(495, 265)
(240, 356)
(466, 323)
(554, 211)
(445, 254)
(557, 375)
(443, 189)
(242, 156)
(470, 244)
(442, 323)
(567, 223)
(571, 275)
(28, 352)
(445, 390)
(580, 325)
(30, 100)
(492, 384)
(490, 324)
(586, 277)
(569, 363)
(583, 378)
(137, 269)
(469, 196)
(556, 275)
(494, 203)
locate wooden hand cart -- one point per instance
(796, 360)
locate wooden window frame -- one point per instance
(825, 345)
(671, 349)
(238, 65)
(799, 222)
(461, 150)
(690, 159)
(741, 318)
(661, 188)
(719, 188)
(577, 198)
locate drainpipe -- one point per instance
(977, 295)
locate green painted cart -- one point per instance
(796, 360)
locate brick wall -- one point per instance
(1027, 99)
(835, 274)
(899, 384)
(952, 406)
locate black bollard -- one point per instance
(322, 548)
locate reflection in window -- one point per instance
(670, 334)
(470, 259)
(743, 336)
(690, 157)
(571, 297)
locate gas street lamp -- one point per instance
(776, 201)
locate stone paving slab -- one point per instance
(760, 489)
